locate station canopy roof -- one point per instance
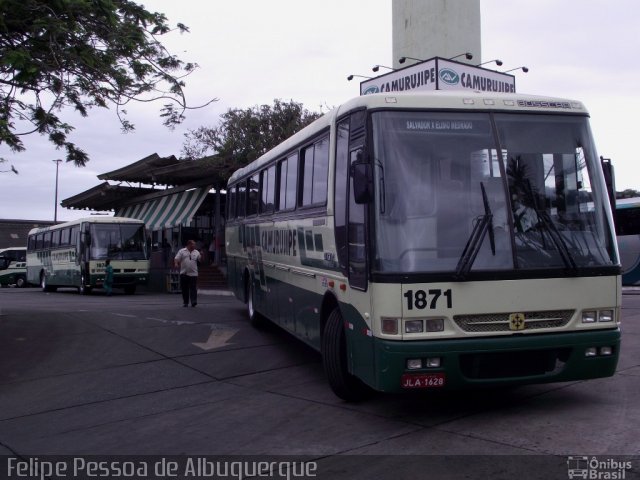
(169, 171)
(162, 176)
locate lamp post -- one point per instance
(55, 203)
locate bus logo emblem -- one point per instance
(516, 321)
(448, 76)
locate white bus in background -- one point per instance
(13, 267)
(434, 240)
(73, 254)
(627, 218)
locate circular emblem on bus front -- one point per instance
(371, 89)
(448, 76)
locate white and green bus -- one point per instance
(434, 240)
(13, 267)
(73, 254)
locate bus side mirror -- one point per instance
(362, 177)
(609, 180)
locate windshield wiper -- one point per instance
(483, 224)
(555, 235)
(558, 241)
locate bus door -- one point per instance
(352, 238)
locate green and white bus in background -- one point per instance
(13, 267)
(73, 254)
(434, 240)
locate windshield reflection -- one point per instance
(439, 177)
(118, 242)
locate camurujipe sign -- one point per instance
(440, 74)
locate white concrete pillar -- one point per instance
(429, 28)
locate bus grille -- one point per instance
(499, 322)
(486, 366)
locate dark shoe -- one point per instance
(185, 305)
(193, 304)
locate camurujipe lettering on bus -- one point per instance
(279, 242)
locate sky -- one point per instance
(251, 52)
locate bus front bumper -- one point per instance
(495, 361)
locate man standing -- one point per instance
(187, 260)
(108, 277)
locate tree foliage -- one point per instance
(628, 193)
(244, 134)
(82, 54)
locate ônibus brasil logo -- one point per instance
(448, 76)
(371, 89)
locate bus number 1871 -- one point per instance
(421, 299)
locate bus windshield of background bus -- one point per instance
(118, 242)
(438, 175)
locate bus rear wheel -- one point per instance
(334, 360)
(21, 281)
(44, 284)
(256, 319)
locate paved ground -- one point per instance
(143, 375)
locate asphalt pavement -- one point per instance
(141, 375)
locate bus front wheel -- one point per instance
(21, 282)
(83, 289)
(334, 360)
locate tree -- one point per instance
(628, 193)
(244, 134)
(82, 54)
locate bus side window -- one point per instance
(65, 236)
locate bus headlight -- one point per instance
(435, 325)
(414, 364)
(605, 316)
(589, 316)
(413, 326)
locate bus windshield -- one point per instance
(516, 189)
(118, 242)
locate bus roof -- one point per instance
(438, 99)
(96, 219)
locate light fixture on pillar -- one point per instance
(524, 69)
(404, 59)
(377, 67)
(351, 77)
(498, 62)
(467, 55)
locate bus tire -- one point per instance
(21, 281)
(83, 289)
(44, 284)
(130, 289)
(256, 319)
(334, 359)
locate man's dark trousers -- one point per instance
(188, 285)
